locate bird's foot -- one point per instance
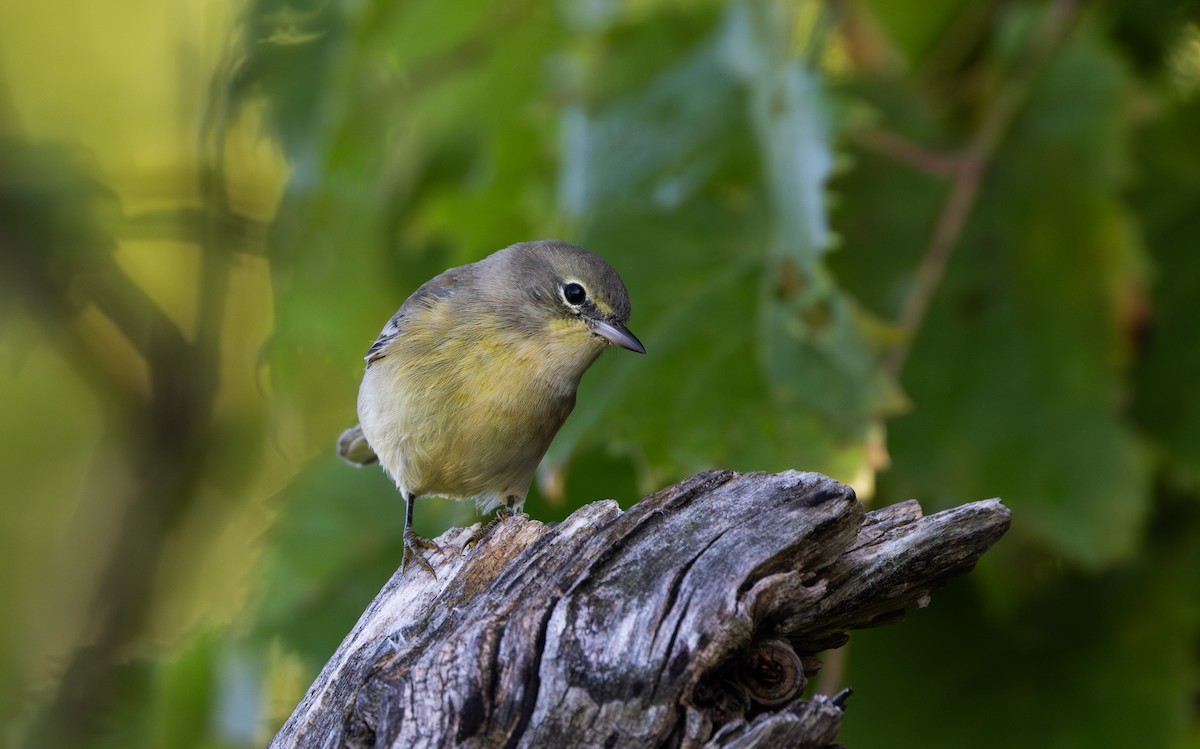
(501, 515)
(413, 543)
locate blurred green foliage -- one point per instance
(944, 250)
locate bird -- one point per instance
(470, 380)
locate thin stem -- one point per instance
(904, 151)
(968, 174)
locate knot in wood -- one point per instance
(771, 673)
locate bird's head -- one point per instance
(568, 299)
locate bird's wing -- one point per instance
(436, 289)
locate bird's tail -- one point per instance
(353, 448)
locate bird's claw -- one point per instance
(479, 534)
(413, 542)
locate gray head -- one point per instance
(567, 285)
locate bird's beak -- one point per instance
(618, 334)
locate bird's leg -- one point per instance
(507, 510)
(412, 541)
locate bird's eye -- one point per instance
(573, 293)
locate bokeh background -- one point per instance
(943, 250)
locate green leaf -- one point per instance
(712, 208)
(1167, 198)
(1017, 375)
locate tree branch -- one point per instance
(692, 619)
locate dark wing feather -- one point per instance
(391, 331)
(437, 288)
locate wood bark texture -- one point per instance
(692, 619)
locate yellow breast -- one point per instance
(469, 411)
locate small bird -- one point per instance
(471, 379)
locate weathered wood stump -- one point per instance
(692, 619)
